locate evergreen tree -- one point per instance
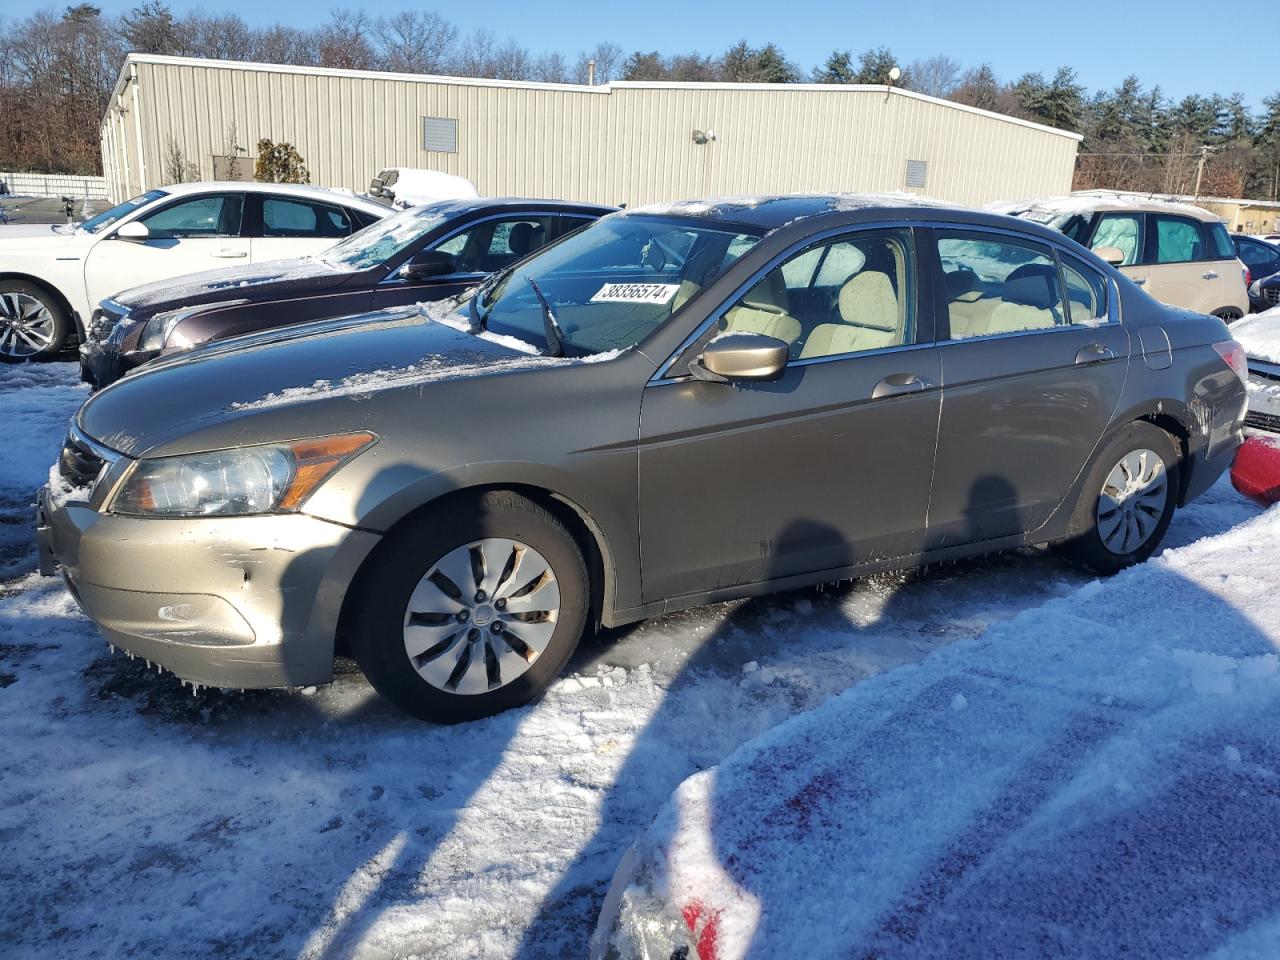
(838, 68)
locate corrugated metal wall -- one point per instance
(629, 143)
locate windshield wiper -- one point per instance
(479, 321)
(555, 336)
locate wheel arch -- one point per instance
(1174, 419)
(586, 531)
(53, 291)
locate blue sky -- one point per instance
(1160, 40)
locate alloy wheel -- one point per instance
(481, 616)
(1132, 501)
(26, 325)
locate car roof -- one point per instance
(771, 212)
(469, 205)
(303, 190)
(1085, 204)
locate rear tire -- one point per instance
(1127, 500)
(33, 324)
(444, 624)
(1228, 315)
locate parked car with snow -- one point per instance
(1180, 254)
(411, 187)
(424, 253)
(50, 281)
(673, 406)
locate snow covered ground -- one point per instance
(138, 820)
(1096, 777)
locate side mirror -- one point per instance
(1112, 255)
(133, 230)
(431, 263)
(741, 356)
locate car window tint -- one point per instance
(846, 296)
(998, 286)
(1121, 231)
(1086, 292)
(1178, 240)
(217, 215)
(490, 245)
(1257, 254)
(290, 217)
(1220, 242)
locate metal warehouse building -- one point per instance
(627, 142)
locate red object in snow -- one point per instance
(1256, 470)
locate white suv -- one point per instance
(1180, 254)
(50, 280)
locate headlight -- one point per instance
(156, 333)
(239, 482)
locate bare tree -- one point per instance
(343, 42)
(609, 60)
(936, 76)
(414, 41)
(549, 68)
(218, 37)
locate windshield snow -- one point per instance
(108, 217)
(611, 284)
(381, 241)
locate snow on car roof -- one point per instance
(327, 194)
(1094, 776)
(1087, 202)
(777, 210)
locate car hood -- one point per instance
(1259, 335)
(298, 277)
(35, 238)
(203, 399)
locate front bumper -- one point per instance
(226, 602)
(102, 364)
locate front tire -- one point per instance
(33, 325)
(1127, 500)
(470, 609)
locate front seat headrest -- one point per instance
(1032, 285)
(521, 239)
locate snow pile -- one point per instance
(1259, 334)
(1095, 777)
(414, 187)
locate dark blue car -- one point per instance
(1262, 259)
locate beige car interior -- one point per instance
(871, 313)
(1029, 301)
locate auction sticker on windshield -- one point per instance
(635, 293)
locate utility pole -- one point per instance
(1204, 156)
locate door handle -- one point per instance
(1211, 275)
(1140, 281)
(1094, 353)
(897, 384)
(231, 254)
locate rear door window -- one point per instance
(1087, 297)
(998, 286)
(1178, 240)
(292, 217)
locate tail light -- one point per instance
(1233, 356)
(1248, 277)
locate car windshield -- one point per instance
(379, 242)
(108, 217)
(611, 284)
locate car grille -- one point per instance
(1262, 421)
(82, 461)
(104, 320)
(1272, 295)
